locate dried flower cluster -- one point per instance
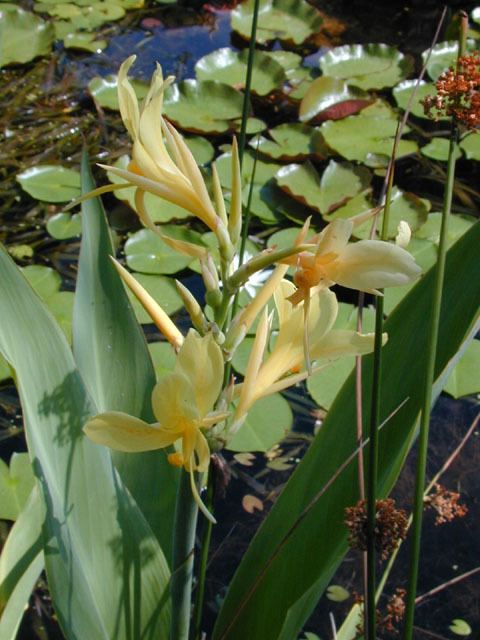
(389, 622)
(390, 526)
(458, 93)
(445, 504)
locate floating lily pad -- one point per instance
(457, 226)
(291, 63)
(162, 289)
(291, 21)
(367, 66)
(81, 16)
(201, 148)
(23, 36)
(460, 627)
(291, 142)
(438, 148)
(443, 56)
(104, 91)
(51, 183)
(230, 67)
(470, 145)
(61, 305)
(84, 42)
(330, 98)
(146, 252)
(254, 125)
(16, 483)
(340, 182)
(63, 226)
(464, 379)
(268, 421)
(20, 251)
(337, 593)
(163, 357)
(404, 90)
(203, 107)
(367, 136)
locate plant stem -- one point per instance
(186, 512)
(429, 376)
(204, 548)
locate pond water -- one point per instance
(178, 38)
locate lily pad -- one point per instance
(162, 289)
(337, 593)
(437, 149)
(457, 226)
(201, 148)
(16, 483)
(104, 91)
(470, 145)
(340, 182)
(268, 421)
(146, 252)
(464, 379)
(290, 21)
(367, 66)
(51, 183)
(367, 136)
(460, 627)
(230, 67)
(203, 107)
(63, 226)
(81, 16)
(163, 357)
(84, 42)
(291, 142)
(404, 90)
(443, 56)
(302, 182)
(330, 98)
(23, 36)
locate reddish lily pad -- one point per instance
(331, 99)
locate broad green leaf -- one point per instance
(63, 226)
(162, 289)
(470, 145)
(202, 150)
(20, 251)
(306, 541)
(230, 67)
(460, 627)
(367, 66)
(112, 356)
(302, 182)
(45, 280)
(148, 253)
(104, 91)
(21, 562)
(404, 90)
(290, 142)
(340, 182)
(291, 21)
(203, 106)
(96, 538)
(51, 183)
(368, 134)
(268, 422)
(437, 149)
(16, 483)
(23, 36)
(443, 56)
(327, 95)
(337, 593)
(464, 378)
(84, 42)
(163, 357)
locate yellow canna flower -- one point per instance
(367, 265)
(283, 367)
(183, 403)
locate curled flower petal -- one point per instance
(122, 432)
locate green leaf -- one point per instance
(290, 142)
(324, 93)
(404, 90)
(302, 182)
(163, 290)
(163, 357)
(340, 182)
(470, 145)
(437, 149)
(112, 355)
(230, 67)
(63, 226)
(443, 56)
(336, 593)
(268, 422)
(23, 36)
(84, 42)
(366, 135)
(21, 562)
(104, 91)
(203, 106)
(45, 280)
(202, 150)
(16, 483)
(460, 627)
(51, 183)
(94, 531)
(367, 66)
(308, 546)
(464, 378)
(20, 251)
(148, 253)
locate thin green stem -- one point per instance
(186, 512)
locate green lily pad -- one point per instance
(20, 251)
(340, 182)
(242, 354)
(290, 142)
(302, 182)
(460, 628)
(367, 66)
(146, 252)
(443, 56)
(285, 238)
(51, 183)
(254, 125)
(291, 63)
(63, 226)
(162, 289)
(81, 16)
(16, 483)
(230, 67)
(404, 90)
(268, 422)
(61, 305)
(163, 357)
(358, 204)
(367, 136)
(104, 91)
(457, 226)
(475, 15)
(464, 379)
(290, 21)
(437, 149)
(23, 36)
(84, 42)
(470, 145)
(337, 593)
(329, 98)
(45, 280)
(201, 148)
(203, 107)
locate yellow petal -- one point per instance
(127, 98)
(334, 237)
(344, 343)
(122, 432)
(186, 248)
(198, 500)
(202, 452)
(173, 402)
